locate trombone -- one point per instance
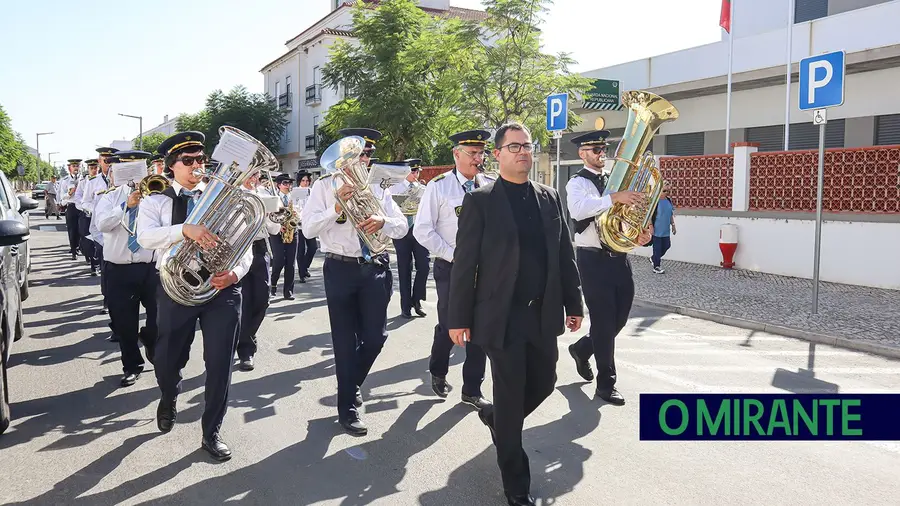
(151, 185)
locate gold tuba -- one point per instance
(341, 160)
(233, 215)
(634, 169)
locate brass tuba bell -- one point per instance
(634, 169)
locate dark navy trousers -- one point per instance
(254, 300)
(410, 252)
(73, 227)
(128, 287)
(283, 256)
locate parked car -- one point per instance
(15, 263)
(38, 191)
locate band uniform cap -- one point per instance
(132, 155)
(370, 135)
(113, 159)
(414, 163)
(74, 161)
(471, 138)
(282, 178)
(180, 141)
(91, 162)
(156, 157)
(595, 138)
(106, 151)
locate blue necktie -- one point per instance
(132, 239)
(410, 219)
(191, 195)
(284, 199)
(469, 186)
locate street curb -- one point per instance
(813, 337)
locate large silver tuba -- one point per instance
(233, 215)
(341, 161)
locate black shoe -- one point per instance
(418, 308)
(358, 401)
(166, 414)
(113, 338)
(246, 364)
(406, 314)
(354, 426)
(289, 296)
(105, 310)
(476, 401)
(129, 379)
(301, 279)
(487, 418)
(520, 500)
(74, 257)
(216, 447)
(611, 396)
(440, 386)
(582, 366)
(93, 272)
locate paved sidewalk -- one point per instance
(861, 318)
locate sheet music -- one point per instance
(128, 172)
(232, 148)
(299, 195)
(386, 176)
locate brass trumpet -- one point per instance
(150, 185)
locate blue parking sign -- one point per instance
(822, 81)
(557, 112)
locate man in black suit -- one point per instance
(513, 290)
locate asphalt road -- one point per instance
(78, 438)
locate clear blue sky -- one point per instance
(70, 66)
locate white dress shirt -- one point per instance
(319, 219)
(108, 215)
(269, 226)
(584, 201)
(89, 193)
(437, 222)
(62, 189)
(79, 191)
(156, 232)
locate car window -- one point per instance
(5, 198)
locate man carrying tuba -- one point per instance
(160, 225)
(605, 274)
(358, 284)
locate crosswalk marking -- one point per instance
(712, 351)
(741, 368)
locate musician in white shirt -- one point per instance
(410, 252)
(129, 270)
(306, 246)
(65, 191)
(283, 253)
(358, 284)
(160, 225)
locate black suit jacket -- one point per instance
(486, 264)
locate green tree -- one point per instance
(511, 77)
(12, 149)
(402, 78)
(254, 113)
(151, 142)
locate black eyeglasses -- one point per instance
(515, 147)
(189, 160)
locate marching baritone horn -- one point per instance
(634, 169)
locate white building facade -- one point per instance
(294, 79)
(776, 239)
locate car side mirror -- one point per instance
(13, 232)
(27, 204)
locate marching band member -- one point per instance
(306, 246)
(283, 252)
(157, 164)
(255, 285)
(358, 285)
(89, 200)
(130, 273)
(160, 224)
(67, 188)
(605, 274)
(412, 293)
(435, 229)
(85, 244)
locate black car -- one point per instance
(38, 191)
(14, 267)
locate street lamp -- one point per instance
(37, 147)
(140, 126)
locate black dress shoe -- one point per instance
(419, 310)
(476, 401)
(166, 414)
(216, 447)
(582, 366)
(487, 418)
(358, 400)
(611, 396)
(289, 296)
(113, 338)
(354, 426)
(247, 364)
(406, 314)
(129, 379)
(440, 386)
(520, 500)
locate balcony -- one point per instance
(310, 142)
(314, 94)
(284, 100)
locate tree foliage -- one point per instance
(151, 142)
(401, 78)
(254, 113)
(13, 152)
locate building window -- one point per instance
(808, 10)
(690, 144)
(277, 89)
(887, 130)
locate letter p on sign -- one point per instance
(822, 81)
(557, 112)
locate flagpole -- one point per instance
(730, 58)
(787, 77)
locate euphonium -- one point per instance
(341, 161)
(634, 169)
(233, 215)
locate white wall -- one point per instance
(857, 253)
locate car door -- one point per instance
(21, 252)
(12, 259)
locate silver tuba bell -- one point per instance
(341, 161)
(233, 215)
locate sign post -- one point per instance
(557, 121)
(821, 86)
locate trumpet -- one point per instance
(150, 185)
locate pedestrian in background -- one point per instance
(663, 223)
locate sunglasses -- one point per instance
(189, 160)
(597, 150)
